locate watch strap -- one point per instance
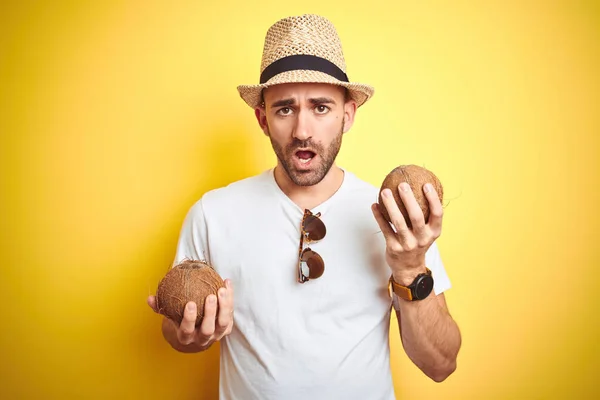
(405, 292)
(401, 291)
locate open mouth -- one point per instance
(304, 156)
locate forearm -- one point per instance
(169, 331)
(429, 335)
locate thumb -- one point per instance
(151, 300)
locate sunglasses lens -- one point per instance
(315, 263)
(314, 227)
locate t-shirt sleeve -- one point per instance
(192, 242)
(433, 261)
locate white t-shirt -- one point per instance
(324, 339)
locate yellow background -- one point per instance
(116, 116)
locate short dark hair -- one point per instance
(347, 95)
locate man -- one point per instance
(310, 262)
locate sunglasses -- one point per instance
(312, 229)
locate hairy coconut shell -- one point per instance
(416, 177)
(191, 280)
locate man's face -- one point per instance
(305, 123)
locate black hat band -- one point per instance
(303, 61)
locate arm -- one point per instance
(186, 337)
(429, 335)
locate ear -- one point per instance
(261, 117)
(349, 113)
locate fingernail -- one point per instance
(427, 187)
(211, 299)
(404, 187)
(387, 193)
(191, 308)
(221, 293)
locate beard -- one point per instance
(327, 156)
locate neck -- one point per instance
(308, 197)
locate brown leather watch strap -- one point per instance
(401, 291)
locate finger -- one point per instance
(186, 330)
(207, 328)
(385, 226)
(395, 215)
(436, 211)
(225, 309)
(151, 300)
(415, 214)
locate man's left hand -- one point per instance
(406, 247)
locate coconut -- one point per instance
(416, 177)
(190, 280)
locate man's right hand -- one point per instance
(186, 337)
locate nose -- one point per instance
(302, 129)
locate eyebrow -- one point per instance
(283, 102)
(322, 100)
(314, 100)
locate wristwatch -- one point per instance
(419, 289)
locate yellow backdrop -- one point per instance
(116, 116)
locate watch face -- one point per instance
(424, 287)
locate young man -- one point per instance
(309, 254)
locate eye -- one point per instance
(321, 109)
(284, 111)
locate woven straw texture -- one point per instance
(305, 34)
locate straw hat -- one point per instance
(303, 48)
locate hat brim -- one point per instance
(252, 94)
